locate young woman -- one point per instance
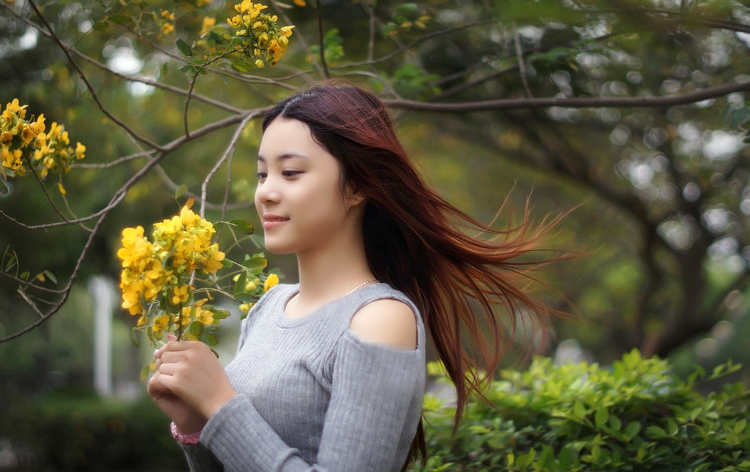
(330, 373)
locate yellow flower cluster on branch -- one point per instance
(158, 279)
(263, 41)
(27, 143)
(155, 277)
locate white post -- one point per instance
(104, 299)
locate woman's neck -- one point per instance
(329, 273)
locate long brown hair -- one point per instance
(419, 243)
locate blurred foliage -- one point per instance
(581, 417)
(75, 430)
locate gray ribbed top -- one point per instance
(312, 396)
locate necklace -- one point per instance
(296, 295)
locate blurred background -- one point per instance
(656, 175)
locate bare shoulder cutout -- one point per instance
(387, 321)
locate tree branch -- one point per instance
(573, 102)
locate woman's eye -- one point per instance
(261, 175)
(290, 173)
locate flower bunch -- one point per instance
(25, 143)
(158, 278)
(263, 40)
(156, 275)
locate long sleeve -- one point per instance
(374, 408)
(201, 459)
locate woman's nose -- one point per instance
(267, 191)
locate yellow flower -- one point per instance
(180, 295)
(245, 307)
(12, 160)
(167, 28)
(208, 23)
(61, 189)
(15, 107)
(300, 3)
(270, 282)
(161, 323)
(202, 316)
(167, 15)
(80, 150)
(27, 134)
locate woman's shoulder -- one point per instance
(388, 317)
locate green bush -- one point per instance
(634, 416)
(82, 432)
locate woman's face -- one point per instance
(299, 197)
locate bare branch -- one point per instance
(521, 64)
(187, 103)
(227, 153)
(572, 102)
(321, 40)
(114, 163)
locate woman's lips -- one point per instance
(273, 221)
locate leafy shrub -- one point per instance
(634, 416)
(86, 433)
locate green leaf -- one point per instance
(25, 275)
(740, 426)
(211, 340)
(239, 286)
(632, 429)
(196, 329)
(145, 371)
(180, 191)
(579, 411)
(242, 226)
(655, 432)
(184, 47)
(120, 19)
(221, 314)
(242, 66)
(256, 263)
(50, 276)
(101, 26)
(601, 417)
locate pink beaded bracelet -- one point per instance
(192, 438)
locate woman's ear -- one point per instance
(354, 197)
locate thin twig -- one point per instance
(321, 41)
(114, 163)
(187, 103)
(227, 152)
(521, 64)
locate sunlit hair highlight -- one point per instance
(465, 277)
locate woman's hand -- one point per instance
(185, 417)
(189, 377)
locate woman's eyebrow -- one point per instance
(289, 155)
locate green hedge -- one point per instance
(634, 416)
(81, 432)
